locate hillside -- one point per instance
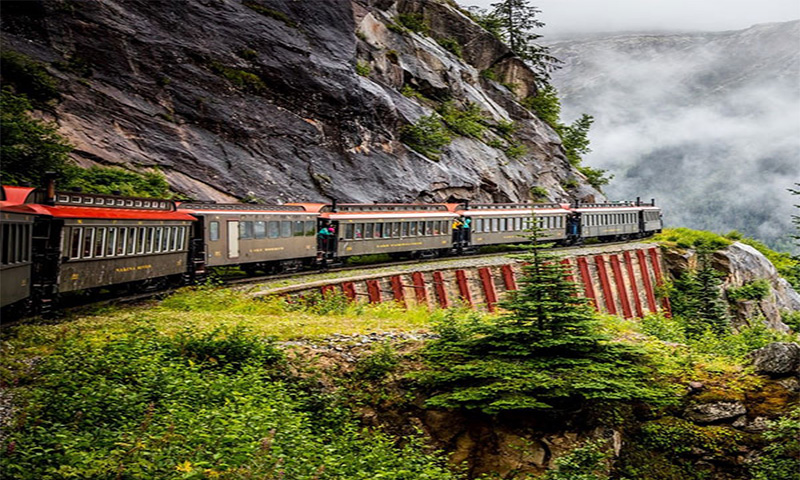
(708, 123)
(283, 100)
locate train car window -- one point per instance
(273, 229)
(494, 225)
(130, 243)
(412, 229)
(368, 229)
(421, 229)
(396, 230)
(436, 228)
(6, 243)
(403, 229)
(111, 242)
(245, 230)
(260, 229)
(311, 228)
(26, 237)
(141, 245)
(165, 239)
(299, 228)
(150, 237)
(478, 224)
(349, 231)
(157, 234)
(429, 228)
(286, 229)
(359, 231)
(88, 237)
(378, 230)
(387, 230)
(99, 241)
(213, 231)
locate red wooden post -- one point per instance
(508, 277)
(648, 286)
(325, 290)
(620, 281)
(588, 288)
(611, 307)
(463, 287)
(660, 280)
(419, 287)
(374, 291)
(488, 287)
(441, 291)
(637, 302)
(397, 289)
(570, 277)
(349, 290)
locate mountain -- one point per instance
(708, 123)
(281, 100)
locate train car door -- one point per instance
(233, 239)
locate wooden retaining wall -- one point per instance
(619, 282)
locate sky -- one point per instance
(564, 17)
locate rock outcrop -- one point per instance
(779, 358)
(286, 101)
(742, 264)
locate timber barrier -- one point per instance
(617, 279)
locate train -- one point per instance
(56, 242)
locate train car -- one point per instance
(499, 223)
(609, 221)
(270, 238)
(107, 240)
(16, 251)
(650, 219)
(419, 230)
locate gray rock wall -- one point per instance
(232, 99)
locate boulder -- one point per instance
(779, 358)
(714, 412)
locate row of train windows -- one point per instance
(272, 229)
(359, 231)
(98, 242)
(16, 243)
(601, 219)
(487, 225)
(651, 216)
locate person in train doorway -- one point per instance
(457, 230)
(465, 228)
(324, 235)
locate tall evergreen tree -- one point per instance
(515, 21)
(697, 299)
(545, 351)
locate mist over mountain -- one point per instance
(707, 123)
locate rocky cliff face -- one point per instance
(234, 99)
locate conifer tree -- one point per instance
(697, 299)
(544, 352)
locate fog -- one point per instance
(707, 124)
(570, 17)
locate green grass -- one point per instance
(688, 238)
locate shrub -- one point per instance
(489, 74)
(595, 176)
(780, 459)
(515, 150)
(414, 22)
(688, 238)
(242, 79)
(451, 45)
(271, 13)
(410, 92)
(505, 128)
(539, 194)
(546, 105)
(27, 77)
(755, 290)
(586, 462)
(363, 68)
(379, 363)
(426, 136)
(468, 122)
(107, 180)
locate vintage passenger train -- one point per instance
(57, 242)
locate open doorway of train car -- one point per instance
(327, 238)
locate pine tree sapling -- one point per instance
(546, 350)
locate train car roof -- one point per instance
(612, 209)
(15, 195)
(68, 211)
(516, 212)
(244, 208)
(386, 215)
